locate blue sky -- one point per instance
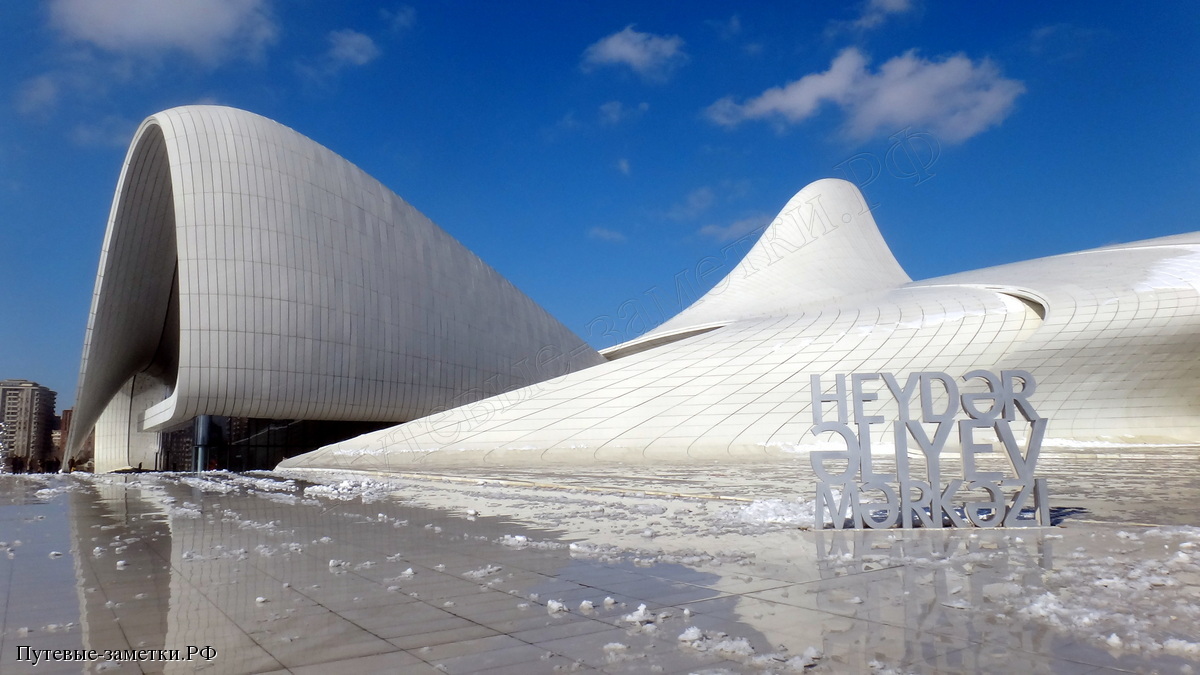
(595, 152)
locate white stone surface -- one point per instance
(431, 573)
(1110, 336)
(248, 271)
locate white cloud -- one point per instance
(623, 166)
(351, 48)
(605, 234)
(614, 112)
(875, 12)
(697, 202)
(653, 57)
(87, 79)
(38, 95)
(210, 30)
(347, 48)
(955, 97)
(729, 29)
(611, 112)
(735, 230)
(568, 121)
(1064, 41)
(110, 131)
(401, 18)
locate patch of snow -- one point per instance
(483, 571)
(640, 616)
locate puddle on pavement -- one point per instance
(276, 574)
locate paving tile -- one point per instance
(471, 646)
(494, 659)
(300, 640)
(389, 621)
(442, 636)
(974, 659)
(916, 601)
(561, 630)
(388, 662)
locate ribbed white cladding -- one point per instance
(823, 246)
(254, 273)
(1110, 335)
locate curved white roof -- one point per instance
(1111, 336)
(248, 271)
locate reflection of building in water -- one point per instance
(933, 582)
(200, 552)
(157, 599)
(124, 606)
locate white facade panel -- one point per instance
(254, 273)
(1110, 336)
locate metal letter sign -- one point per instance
(854, 494)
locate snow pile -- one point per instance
(641, 616)
(777, 512)
(1145, 599)
(255, 525)
(1098, 445)
(482, 572)
(46, 494)
(351, 488)
(265, 484)
(521, 541)
(880, 668)
(209, 485)
(187, 510)
(716, 642)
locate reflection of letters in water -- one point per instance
(899, 497)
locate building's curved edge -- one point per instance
(1110, 334)
(133, 292)
(305, 289)
(824, 244)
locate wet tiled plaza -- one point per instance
(625, 570)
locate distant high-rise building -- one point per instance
(27, 416)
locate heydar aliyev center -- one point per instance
(249, 272)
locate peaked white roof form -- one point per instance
(248, 271)
(823, 246)
(785, 269)
(1111, 336)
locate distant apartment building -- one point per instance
(27, 416)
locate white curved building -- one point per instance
(1111, 336)
(247, 271)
